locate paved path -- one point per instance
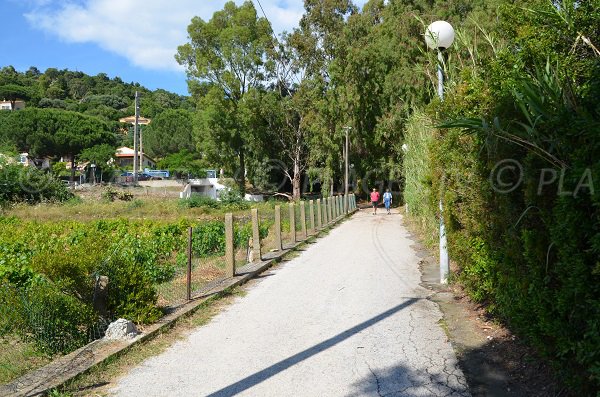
(345, 318)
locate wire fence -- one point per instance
(41, 320)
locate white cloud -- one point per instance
(146, 32)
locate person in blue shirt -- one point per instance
(387, 200)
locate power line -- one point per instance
(275, 42)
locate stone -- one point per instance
(121, 329)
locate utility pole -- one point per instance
(135, 137)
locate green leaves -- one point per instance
(229, 50)
(169, 132)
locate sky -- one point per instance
(135, 40)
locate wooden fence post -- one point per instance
(303, 219)
(256, 255)
(311, 214)
(292, 223)
(189, 264)
(278, 240)
(319, 214)
(229, 252)
(336, 207)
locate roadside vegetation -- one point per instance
(511, 152)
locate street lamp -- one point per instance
(346, 129)
(93, 169)
(439, 36)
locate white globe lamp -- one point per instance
(439, 35)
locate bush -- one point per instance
(41, 312)
(30, 185)
(228, 202)
(199, 201)
(110, 194)
(531, 253)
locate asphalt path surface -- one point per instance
(347, 317)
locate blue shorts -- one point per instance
(387, 203)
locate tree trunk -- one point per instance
(241, 179)
(296, 181)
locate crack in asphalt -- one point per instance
(376, 379)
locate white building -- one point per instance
(7, 105)
(124, 157)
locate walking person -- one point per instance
(387, 200)
(374, 200)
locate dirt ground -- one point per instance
(495, 361)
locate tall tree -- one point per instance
(53, 132)
(169, 132)
(13, 93)
(229, 51)
(322, 50)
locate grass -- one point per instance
(17, 358)
(93, 208)
(417, 168)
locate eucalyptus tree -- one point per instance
(320, 47)
(230, 52)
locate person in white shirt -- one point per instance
(387, 200)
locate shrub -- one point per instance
(132, 293)
(209, 239)
(30, 185)
(56, 322)
(110, 194)
(199, 201)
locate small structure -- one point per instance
(25, 160)
(125, 155)
(209, 186)
(8, 105)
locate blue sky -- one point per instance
(132, 39)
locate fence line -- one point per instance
(207, 255)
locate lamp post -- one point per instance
(346, 147)
(439, 36)
(93, 169)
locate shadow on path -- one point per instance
(258, 377)
(402, 381)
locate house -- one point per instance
(7, 105)
(26, 161)
(124, 159)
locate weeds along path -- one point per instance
(347, 317)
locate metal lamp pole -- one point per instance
(346, 129)
(439, 36)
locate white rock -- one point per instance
(121, 329)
